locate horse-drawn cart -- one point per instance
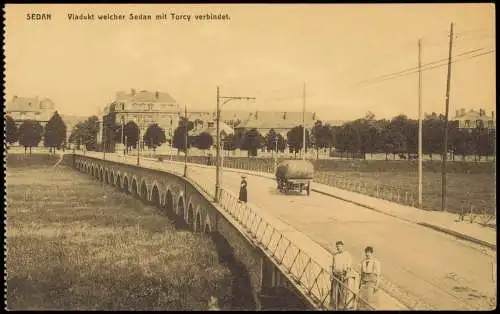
(294, 175)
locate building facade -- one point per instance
(145, 108)
(474, 118)
(21, 109)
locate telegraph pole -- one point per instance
(186, 141)
(276, 154)
(304, 123)
(217, 153)
(420, 190)
(138, 145)
(445, 142)
(123, 141)
(103, 140)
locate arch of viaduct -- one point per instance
(165, 190)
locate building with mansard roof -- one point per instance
(30, 108)
(472, 118)
(145, 108)
(281, 122)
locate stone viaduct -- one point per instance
(191, 207)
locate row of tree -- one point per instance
(30, 133)
(364, 136)
(398, 136)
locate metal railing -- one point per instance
(481, 213)
(312, 279)
(382, 191)
(308, 275)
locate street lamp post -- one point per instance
(276, 154)
(103, 140)
(217, 157)
(186, 142)
(138, 144)
(122, 139)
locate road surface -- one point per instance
(429, 265)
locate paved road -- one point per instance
(428, 265)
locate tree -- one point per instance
(295, 139)
(30, 134)
(11, 131)
(432, 134)
(131, 134)
(230, 142)
(322, 137)
(204, 140)
(271, 143)
(179, 138)
(154, 137)
(251, 142)
(55, 133)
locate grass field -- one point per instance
(73, 244)
(468, 183)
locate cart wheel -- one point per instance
(308, 189)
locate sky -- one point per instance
(276, 53)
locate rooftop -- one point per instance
(144, 96)
(29, 104)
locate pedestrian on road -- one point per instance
(341, 273)
(243, 190)
(369, 281)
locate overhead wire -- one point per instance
(416, 67)
(426, 66)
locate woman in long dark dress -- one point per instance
(243, 190)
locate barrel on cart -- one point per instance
(294, 175)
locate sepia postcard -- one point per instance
(250, 157)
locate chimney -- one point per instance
(157, 95)
(132, 91)
(14, 98)
(284, 115)
(458, 113)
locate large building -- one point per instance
(21, 109)
(473, 118)
(30, 108)
(145, 108)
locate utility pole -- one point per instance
(420, 190)
(138, 145)
(276, 154)
(217, 153)
(123, 142)
(445, 142)
(103, 140)
(304, 123)
(186, 142)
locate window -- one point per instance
(479, 123)
(467, 123)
